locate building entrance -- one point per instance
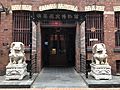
(60, 34)
(58, 46)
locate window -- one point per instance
(21, 27)
(117, 33)
(118, 66)
(94, 28)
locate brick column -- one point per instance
(109, 33)
(39, 60)
(82, 48)
(77, 48)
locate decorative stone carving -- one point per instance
(16, 71)
(16, 68)
(58, 6)
(21, 7)
(100, 69)
(94, 7)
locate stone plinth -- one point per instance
(16, 71)
(101, 71)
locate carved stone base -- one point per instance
(101, 71)
(16, 71)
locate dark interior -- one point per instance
(58, 46)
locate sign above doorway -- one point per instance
(58, 14)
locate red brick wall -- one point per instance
(109, 38)
(5, 37)
(109, 34)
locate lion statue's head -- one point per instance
(99, 48)
(99, 54)
(17, 46)
(17, 55)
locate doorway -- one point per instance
(58, 46)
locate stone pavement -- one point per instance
(59, 78)
(92, 83)
(25, 83)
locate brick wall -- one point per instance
(109, 34)
(5, 39)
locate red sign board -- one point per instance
(55, 23)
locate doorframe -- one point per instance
(39, 62)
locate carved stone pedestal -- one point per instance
(101, 71)
(16, 71)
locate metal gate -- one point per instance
(94, 28)
(21, 27)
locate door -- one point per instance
(57, 48)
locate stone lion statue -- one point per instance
(99, 54)
(17, 55)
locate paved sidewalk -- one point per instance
(93, 83)
(25, 83)
(59, 78)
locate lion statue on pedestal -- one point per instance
(17, 67)
(99, 54)
(17, 55)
